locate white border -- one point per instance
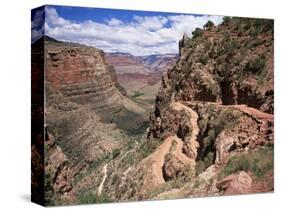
(15, 103)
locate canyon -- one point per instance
(140, 75)
(199, 123)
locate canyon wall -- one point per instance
(229, 64)
(80, 73)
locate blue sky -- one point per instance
(112, 30)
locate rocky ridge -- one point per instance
(225, 75)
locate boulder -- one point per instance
(222, 146)
(172, 167)
(237, 183)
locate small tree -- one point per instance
(208, 25)
(226, 20)
(197, 32)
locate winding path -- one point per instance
(104, 170)
(158, 157)
(250, 111)
(253, 112)
(194, 145)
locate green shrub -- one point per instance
(201, 165)
(254, 31)
(89, 197)
(212, 53)
(223, 121)
(197, 32)
(237, 163)
(149, 146)
(258, 163)
(231, 46)
(114, 179)
(203, 60)
(226, 20)
(268, 25)
(215, 125)
(128, 160)
(115, 153)
(209, 24)
(256, 65)
(49, 190)
(226, 36)
(262, 25)
(137, 94)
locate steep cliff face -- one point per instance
(80, 73)
(229, 64)
(85, 112)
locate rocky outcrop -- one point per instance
(222, 144)
(57, 166)
(238, 183)
(172, 167)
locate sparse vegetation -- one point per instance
(211, 127)
(171, 184)
(89, 197)
(114, 179)
(137, 94)
(204, 59)
(93, 166)
(258, 163)
(49, 191)
(149, 146)
(128, 160)
(255, 66)
(115, 153)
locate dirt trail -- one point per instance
(211, 171)
(253, 112)
(104, 170)
(250, 111)
(178, 151)
(194, 145)
(157, 158)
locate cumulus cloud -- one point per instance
(143, 35)
(114, 22)
(52, 18)
(150, 23)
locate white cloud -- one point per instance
(143, 35)
(150, 23)
(53, 18)
(114, 22)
